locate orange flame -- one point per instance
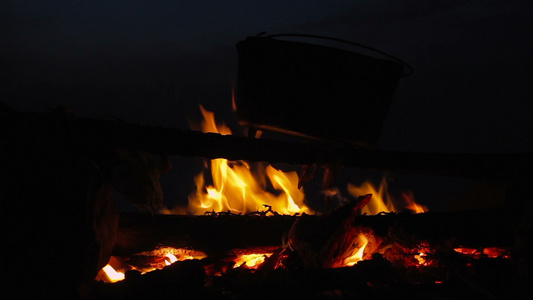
(238, 188)
(381, 200)
(208, 124)
(412, 205)
(233, 103)
(357, 255)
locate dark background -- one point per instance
(153, 62)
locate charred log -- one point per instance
(323, 241)
(477, 228)
(376, 278)
(183, 280)
(218, 234)
(388, 273)
(215, 235)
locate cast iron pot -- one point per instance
(315, 90)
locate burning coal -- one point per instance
(145, 262)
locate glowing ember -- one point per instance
(239, 187)
(146, 262)
(494, 252)
(171, 259)
(175, 254)
(112, 274)
(165, 256)
(421, 258)
(251, 261)
(491, 252)
(468, 251)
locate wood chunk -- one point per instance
(324, 241)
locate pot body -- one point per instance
(313, 90)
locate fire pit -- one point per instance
(250, 232)
(395, 256)
(364, 248)
(337, 254)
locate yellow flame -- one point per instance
(238, 188)
(380, 201)
(112, 274)
(357, 256)
(208, 124)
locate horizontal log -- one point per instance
(215, 235)
(469, 228)
(218, 234)
(93, 134)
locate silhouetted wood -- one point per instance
(328, 240)
(215, 235)
(218, 234)
(369, 279)
(98, 133)
(471, 228)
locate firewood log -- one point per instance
(325, 241)
(213, 234)
(96, 133)
(217, 234)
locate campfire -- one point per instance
(364, 237)
(250, 229)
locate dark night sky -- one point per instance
(153, 62)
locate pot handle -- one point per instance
(407, 71)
